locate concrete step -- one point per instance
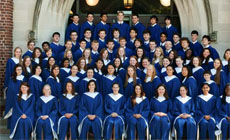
(3, 127)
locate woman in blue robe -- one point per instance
(99, 69)
(12, 91)
(54, 82)
(130, 81)
(184, 112)
(46, 71)
(90, 112)
(207, 61)
(82, 67)
(179, 66)
(10, 64)
(226, 64)
(27, 68)
(119, 70)
(46, 112)
(68, 108)
(108, 80)
(190, 82)
(205, 113)
(64, 70)
(121, 53)
(197, 72)
(114, 114)
(37, 56)
(172, 83)
(151, 82)
(163, 71)
(23, 114)
(73, 78)
(136, 114)
(36, 83)
(160, 114)
(223, 109)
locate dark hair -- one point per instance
(73, 32)
(167, 18)
(116, 72)
(154, 16)
(92, 81)
(184, 39)
(146, 32)
(185, 88)
(115, 29)
(133, 97)
(74, 15)
(20, 92)
(228, 67)
(26, 73)
(30, 41)
(47, 43)
(164, 33)
(207, 37)
(223, 100)
(14, 74)
(73, 89)
(135, 14)
(35, 67)
(63, 61)
(133, 29)
(103, 67)
(166, 92)
(207, 72)
(90, 13)
(138, 40)
(56, 33)
(102, 14)
(189, 71)
(48, 65)
(205, 84)
(195, 32)
(115, 84)
(87, 29)
(40, 57)
(202, 56)
(177, 34)
(218, 71)
(110, 40)
(82, 40)
(52, 73)
(102, 30)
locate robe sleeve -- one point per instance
(146, 109)
(31, 107)
(199, 113)
(76, 109)
(176, 111)
(54, 111)
(61, 106)
(129, 109)
(82, 109)
(38, 108)
(99, 108)
(107, 106)
(122, 107)
(17, 109)
(220, 109)
(192, 111)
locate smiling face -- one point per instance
(24, 89)
(115, 88)
(138, 91)
(135, 19)
(56, 71)
(183, 92)
(184, 72)
(161, 91)
(92, 87)
(217, 64)
(38, 70)
(19, 70)
(90, 73)
(46, 90)
(69, 88)
(74, 70)
(169, 71)
(18, 53)
(110, 70)
(205, 89)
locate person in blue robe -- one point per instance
(102, 25)
(30, 46)
(36, 83)
(64, 70)
(78, 53)
(196, 47)
(87, 25)
(160, 114)
(12, 91)
(206, 40)
(27, 68)
(23, 114)
(74, 26)
(205, 113)
(68, 109)
(108, 80)
(54, 82)
(190, 82)
(155, 29)
(197, 72)
(184, 112)
(119, 70)
(169, 28)
(223, 109)
(172, 83)
(214, 89)
(207, 61)
(55, 46)
(136, 114)
(114, 114)
(151, 82)
(138, 26)
(226, 64)
(91, 112)
(46, 113)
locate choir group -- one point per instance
(119, 82)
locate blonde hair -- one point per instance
(20, 58)
(153, 74)
(65, 56)
(160, 58)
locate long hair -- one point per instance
(26, 73)
(83, 55)
(20, 58)
(35, 67)
(160, 58)
(154, 73)
(14, 74)
(207, 58)
(52, 73)
(189, 72)
(133, 97)
(228, 50)
(40, 57)
(103, 67)
(79, 62)
(20, 92)
(48, 65)
(134, 57)
(166, 92)
(134, 76)
(73, 89)
(218, 70)
(101, 53)
(92, 81)
(223, 100)
(118, 52)
(70, 59)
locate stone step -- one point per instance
(3, 127)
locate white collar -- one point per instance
(46, 58)
(153, 51)
(176, 43)
(82, 71)
(163, 69)
(37, 77)
(169, 78)
(21, 77)
(146, 42)
(132, 40)
(184, 79)
(87, 79)
(92, 95)
(115, 39)
(140, 99)
(206, 97)
(227, 99)
(25, 97)
(213, 71)
(53, 78)
(160, 98)
(115, 97)
(187, 61)
(162, 44)
(178, 69)
(225, 62)
(106, 62)
(148, 79)
(94, 52)
(67, 70)
(16, 61)
(102, 40)
(120, 22)
(47, 99)
(75, 23)
(37, 60)
(145, 70)
(136, 23)
(196, 69)
(103, 23)
(74, 79)
(30, 51)
(81, 49)
(98, 71)
(169, 26)
(68, 96)
(183, 100)
(209, 82)
(154, 25)
(87, 40)
(185, 49)
(157, 60)
(207, 46)
(28, 69)
(130, 80)
(57, 44)
(110, 51)
(90, 23)
(168, 50)
(194, 42)
(110, 77)
(209, 60)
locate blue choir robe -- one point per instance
(214, 89)
(140, 29)
(177, 46)
(163, 72)
(116, 44)
(91, 64)
(182, 53)
(99, 26)
(141, 107)
(86, 25)
(226, 70)
(21, 128)
(159, 127)
(56, 49)
(28, 53)
(36, 84)
(129, 89)
(130, 44)
(146, 46)
(10, 64)
(81, 74)
(114, 104)
(223, 79)
(111, 54)
(214, 53)
(184, 106)
(150, 54)
(46, 128)
(196, 47)
(191, 84)
(206, 105)
(98, 74)
(128, 52)
(45, 62)
(75, 46)
(83, 85)
(121, 72)
(166, 52)
(107, 82)
(45, 74)
(11, 92)
(198, 75)
(102, 44)
(78, 54)
(223, 110)
(157, 66)
(68, 104)
(178, 72)
(123, 28)
(88, 43)
(170, 31)
(75, 80)
(155, 31)
(95, 55)
(72, 27)
(56, 87)
(151, 86)
(64, 73)
(90, 104)
(28, 75)
(209, 66)
(172, 84)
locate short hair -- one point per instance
(110, 40)
(207, 72)
(82, 40)
(184, 39)
(146, 32)
(47, 43)
(115, 29)
(195, 32)
(73, 32)
(154, 16)
(56, 33)
(30, 41)
(135, 14)
(68, 41)
(102, 14)
(101, 30)
(167, 18)
(177, 34)
(207, 37)
(164, 33)
(132, 28)
(153, 41)
(75, 15)
(95, 41)
(90, 13)
(120, 12)
(87, 29)
(122, 38)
